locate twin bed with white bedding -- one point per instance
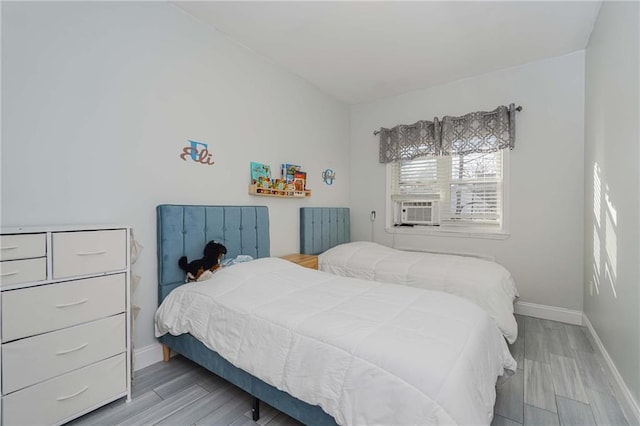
(320, 347)
(485, 283)
(325, 231)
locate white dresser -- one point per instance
(65, 321)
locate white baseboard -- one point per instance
(553, 313)
(147, 355)
(626, 399)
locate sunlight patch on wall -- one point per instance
(609, 275)
(595, 278)
(611, 211)
(605, 241)
(611, 246)
(596, 194)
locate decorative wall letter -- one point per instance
(328, 176)
(201, 156)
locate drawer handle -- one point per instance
(8, 248)
(5, 274)
(72, 350)
(66, 305)
(73, 395)
(91, 253)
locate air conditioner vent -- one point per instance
(419, 212)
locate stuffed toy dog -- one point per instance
(200, 269)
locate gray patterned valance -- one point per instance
(406, 142)
(479, 131)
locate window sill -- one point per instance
(439, 231)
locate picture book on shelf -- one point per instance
(287, 171)
(260, 174)
(300, 180)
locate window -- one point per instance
(458, 193)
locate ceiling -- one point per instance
(361, 51)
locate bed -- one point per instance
(183, 230)
(323, 349)
(325, 232)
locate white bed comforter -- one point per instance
(367, 353)
(485, 283)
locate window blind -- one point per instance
(468, 187)
(416, 177)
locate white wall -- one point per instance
(612, 178)
(99, 99)
(544, 251)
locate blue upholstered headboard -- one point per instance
(323, 227)
(185, 230)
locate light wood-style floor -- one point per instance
(561, 380)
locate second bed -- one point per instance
(326, 232)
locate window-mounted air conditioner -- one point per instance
(419, 213)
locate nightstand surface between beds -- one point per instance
(306, 260)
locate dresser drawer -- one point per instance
(62, 397)
(29, 361)
(83, 253)
(36, 310)
(22, 246)
(23, 271)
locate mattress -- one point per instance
(485, 283)
(365, 352)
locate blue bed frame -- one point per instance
(183, 230)
(323, 227)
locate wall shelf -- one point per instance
(281, 193)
